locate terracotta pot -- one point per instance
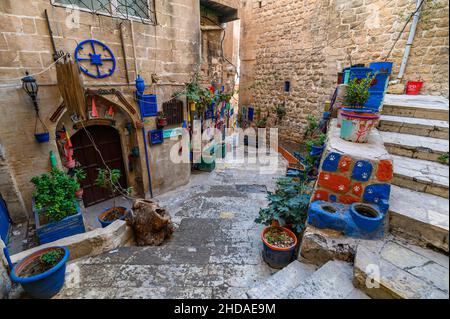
(79, 193)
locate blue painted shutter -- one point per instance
(4, 221)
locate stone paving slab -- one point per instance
(401, 270)
(421, 217)
(215, 251)
(421, 147)
(415, 126)
(331, 281)
(283, 282)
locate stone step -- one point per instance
(418, 106)
(393, 268)
(420, 175)
(420, 217)
(415, 126)
(421, 147)
(279, 285)
(332, 281)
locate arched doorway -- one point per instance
(107, 140)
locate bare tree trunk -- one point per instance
(151, 223)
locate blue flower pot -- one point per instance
(317, 150)
(42, 137)
(277, 257)
(105, 223)
(44, 285)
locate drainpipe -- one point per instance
(409, 43)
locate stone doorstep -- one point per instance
(421, 147)
(91, 243)
(331, 281)
(418, 106)
(279, 285)
(401, 270)
(419, 217)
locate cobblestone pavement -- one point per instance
(215, 251)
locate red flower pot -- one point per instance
(79, 193)
(162, 122)
(413, 87)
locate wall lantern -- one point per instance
(31, 87)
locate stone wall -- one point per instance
(170, 51)
(307, 42)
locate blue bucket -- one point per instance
(44, 285)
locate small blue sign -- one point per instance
(156, 137)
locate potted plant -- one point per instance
(199, 97)
(56, 210)
(288, 207)
(79, 175)
(315, 146)
(42, 273)
(280, 112)
(109, 180)
(357, 121)
(161, 120)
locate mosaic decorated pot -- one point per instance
(356, 126)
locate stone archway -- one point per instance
(117, 129)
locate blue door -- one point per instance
(4, 220)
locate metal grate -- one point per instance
(173, 110)
(143, 10)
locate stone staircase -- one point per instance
(415, 131)
(412, 261)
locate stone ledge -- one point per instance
(91, 243)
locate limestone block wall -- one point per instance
(169, 50)
(307, 41)
(351, 172)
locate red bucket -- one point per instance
(413, 87)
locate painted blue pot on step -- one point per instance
(44, 285)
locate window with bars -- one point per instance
(173, 110)
(143, 10)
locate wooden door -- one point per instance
(107, 140)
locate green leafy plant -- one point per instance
(313, 124)
(444, 159)
(196, 93)
(80, 174)
(54, 194)
(261, 122)
(51, 258)
(161, 116)
(357, 92)
(109, 179)
(288, 204)
(280, 111)
(317, 141)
